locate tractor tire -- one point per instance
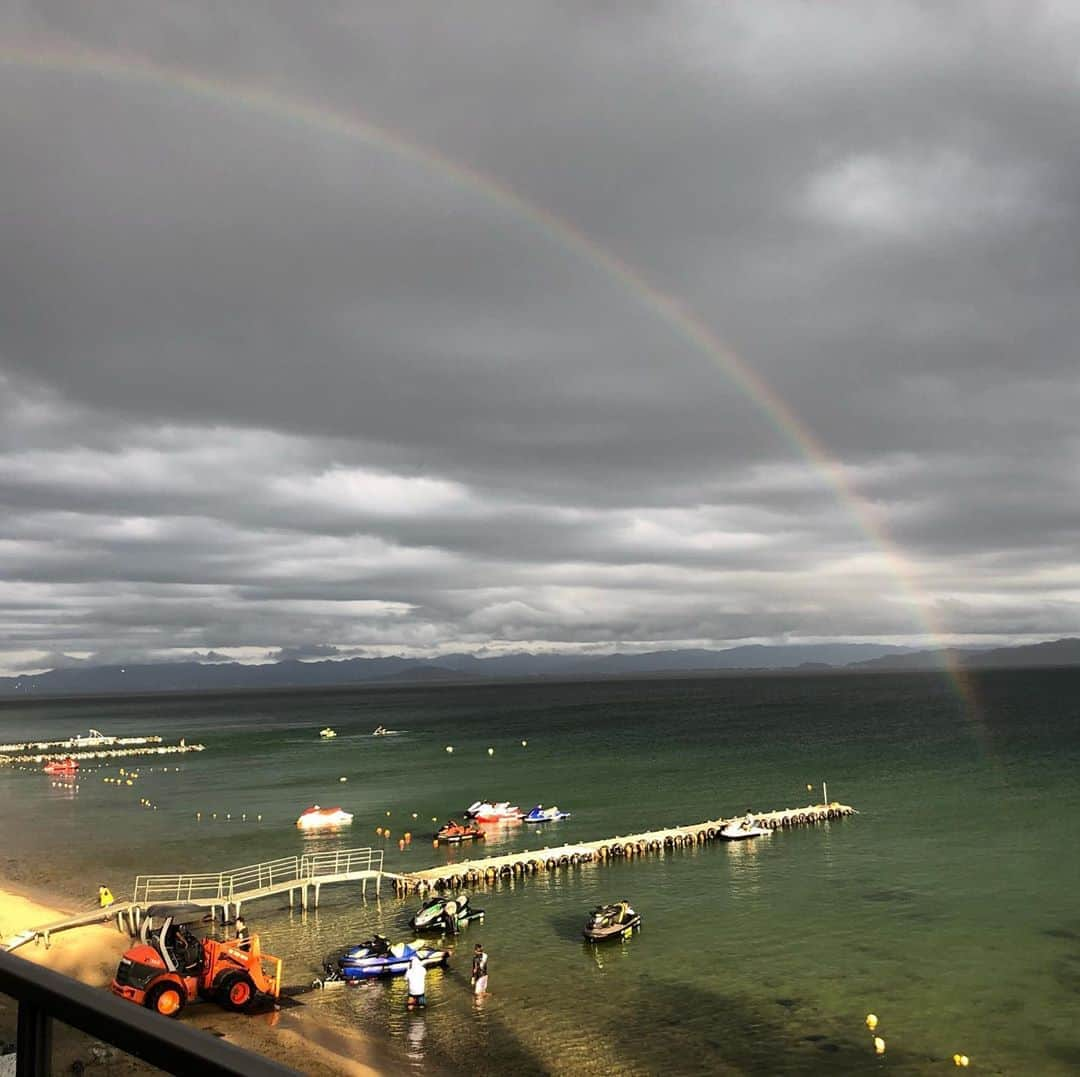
(236, 992)
(166, 998)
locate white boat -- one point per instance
(744, 828)
(327, 733)
(93, 738)
(483, 811)
(316, 817)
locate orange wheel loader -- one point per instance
(172, 967)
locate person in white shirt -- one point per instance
(416, 978)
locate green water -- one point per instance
(948, 906)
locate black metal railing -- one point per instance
(44, 995)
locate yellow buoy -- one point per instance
(387, 815)
(871, 1021)
(401, 844)
(378, 830)
(408, 837)
(879, 1045)
(434, 843)
(960, 1060)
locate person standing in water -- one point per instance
(479, 970)
(416, 978)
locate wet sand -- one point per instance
(90, 954)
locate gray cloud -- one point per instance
(274, 379)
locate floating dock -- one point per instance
(106, 753)
(474, 873)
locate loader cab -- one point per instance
(168, 930)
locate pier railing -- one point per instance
(251, 879)
(342, 862)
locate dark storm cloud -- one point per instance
(265, 385)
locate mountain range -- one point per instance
(229, 676)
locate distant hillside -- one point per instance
(456, 668)
(226, 676)
(1056, 653)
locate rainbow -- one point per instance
(50, 56)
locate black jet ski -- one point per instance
(444, 913)
(611, 921)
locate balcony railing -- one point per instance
(44, 996)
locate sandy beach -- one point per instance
(90, 954)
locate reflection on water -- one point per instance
(63, 788)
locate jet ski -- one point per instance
(445, 914)
(545, 815)
(454, 833)
(483, 811)
(378, 957)
(743, 828)
(611, 921)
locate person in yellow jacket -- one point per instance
(105, 896)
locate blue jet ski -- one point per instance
(545, 815)
(377, 957)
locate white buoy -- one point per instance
(524, 744)
(343, 779)
(450, 749)
(491, 751)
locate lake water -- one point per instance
(948, 906)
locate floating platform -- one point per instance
(104, 753)
(474, 873)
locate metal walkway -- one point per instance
(302, 876)
(293, 875)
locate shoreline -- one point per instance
(90, 955)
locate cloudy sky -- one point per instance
(367, 328)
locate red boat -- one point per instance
(62, 766)
(455, 832)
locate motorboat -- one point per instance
(742, 828)
(315, 817)
(540, 814)
(378, 957)
(327, 733)
(484, 811)
(442, 913)
(454, 833)
(92, 738)
(381, 731)
(611, 922)
(66, 766)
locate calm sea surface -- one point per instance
(949, 906)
